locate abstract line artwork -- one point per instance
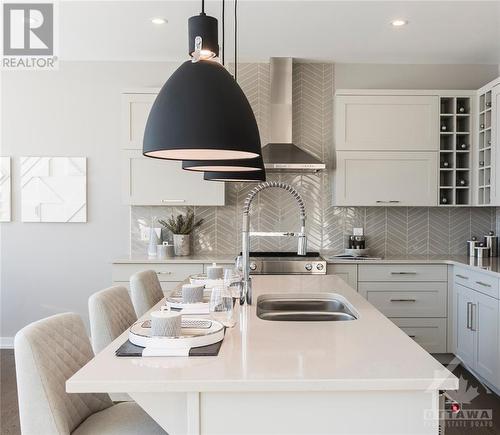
(54, 189)
(5, 189)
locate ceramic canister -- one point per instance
(192, 293)
(166, 324)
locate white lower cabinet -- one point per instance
(169, 274)
(476, 324)
(348, 272)
(465, 335)
(413, 296)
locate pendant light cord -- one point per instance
(203, 7)
(236, 40)
(223, 29)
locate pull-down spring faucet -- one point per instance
(246, 289)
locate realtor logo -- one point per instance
(28, 36)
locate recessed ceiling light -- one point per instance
(158, 20)
(399, 23)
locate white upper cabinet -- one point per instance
(135, 112)
(148, 181)
(387, 123)
(386, 178)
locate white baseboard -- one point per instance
(6, 342)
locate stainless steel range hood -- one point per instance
(280, 153)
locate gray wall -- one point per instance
(50, 268)
(385, 76)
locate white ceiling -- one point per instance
(348, 31)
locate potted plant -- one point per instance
(181, 227)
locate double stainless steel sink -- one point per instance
(301, 307)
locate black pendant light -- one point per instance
(201, 113)
(249, 177)
(244, 165)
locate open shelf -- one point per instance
(463, 106)
(455, 145)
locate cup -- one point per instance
(165, 324)
(192, 293)
(215, 272)
(169, 250)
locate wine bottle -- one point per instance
(445, 164)
(444, 200)
(461, 109)
(443, 127)
(481, 126)
(463, 146)
(462, 182)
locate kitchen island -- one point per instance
(357, 377)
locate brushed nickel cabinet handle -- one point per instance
(469, 304)
(388, 202)
(472, 317)
(412, 336)
(168, 201)
(462, 276)
(403, 300)
(483, 284)
(164, 273)
(403, 273)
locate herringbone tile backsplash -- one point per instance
(389, 230)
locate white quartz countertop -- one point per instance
(369, 353)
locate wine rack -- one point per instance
(455, 124)
(485, 162)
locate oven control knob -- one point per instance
(253, 266)
(319, 266)
(309, 266)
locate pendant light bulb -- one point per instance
(203, 34)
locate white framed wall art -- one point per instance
(54, 189)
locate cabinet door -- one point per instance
(485, 323)
(387, 123)
(386, 179)
(135, 112)
(148, 181)
(495, 144)
(348, 272)
(466, 337)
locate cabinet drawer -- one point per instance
(481, 282)
(428, 333)
(406, 299)
(402, 272)
(166, 272)
(166, 286)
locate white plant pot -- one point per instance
(182, 244)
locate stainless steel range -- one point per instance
(286, 263)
